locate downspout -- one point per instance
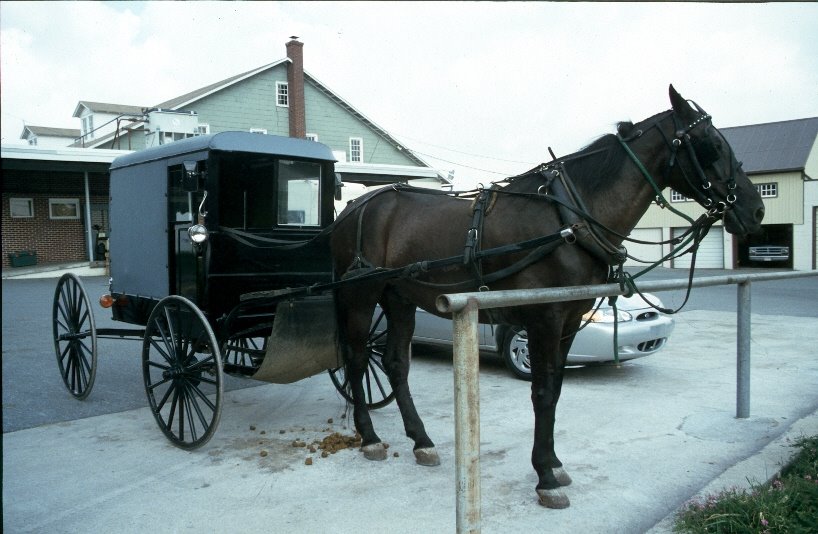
(88, 228)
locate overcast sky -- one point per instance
(453, 81)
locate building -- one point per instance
(44, 136)
(781, 159)
(51, 206)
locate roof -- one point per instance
(230, 142)
(48, 131)
(774, 146)
(27, 157)
(187, 98)
(100, 107)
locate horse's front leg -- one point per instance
(396, 360)
(547, 364)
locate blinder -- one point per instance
(703, 154)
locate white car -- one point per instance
(642, 331)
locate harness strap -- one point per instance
(589, 238)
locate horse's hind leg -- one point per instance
(401, 317)
(354, 322)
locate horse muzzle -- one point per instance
(743, 221)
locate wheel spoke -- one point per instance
(171, 388)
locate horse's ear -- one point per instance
(679, 104)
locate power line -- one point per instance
(462, 152)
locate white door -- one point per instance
(646, 253)
(711, 251)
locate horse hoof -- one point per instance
(427, 456)
(374, 451)
(562, 476)
(553, 498)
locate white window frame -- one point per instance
(88, 126)
(675, 196)
(28, 202)
(360, 150)
(767, 189)
(66, 201)
(32, 140)
(259, 130)
(201, 129)
(282, 94)
(311, 137)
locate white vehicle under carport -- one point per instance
(642, 332)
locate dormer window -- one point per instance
(88, 126)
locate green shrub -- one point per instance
(788, 504)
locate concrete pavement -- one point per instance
(639, 441)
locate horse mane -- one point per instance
(593, 165)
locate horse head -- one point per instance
(707, 171)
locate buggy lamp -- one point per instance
(106, 300)
(197, 233)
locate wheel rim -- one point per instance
(182, 369)
(518, 352)
(75, 338)
(376, 383)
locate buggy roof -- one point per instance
(230, 142)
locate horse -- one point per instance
(590, 200)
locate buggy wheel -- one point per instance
(75, 336)
(182, 369)
(376, 383)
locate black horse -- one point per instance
(594, 197)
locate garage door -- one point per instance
(649, 253)
(711, 251)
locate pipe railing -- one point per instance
(464, 308)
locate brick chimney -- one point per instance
(295, 82)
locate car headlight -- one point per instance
(197, 233)
(606, 315)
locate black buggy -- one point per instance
(207, 234)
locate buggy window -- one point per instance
(246, 191)
(299, 198)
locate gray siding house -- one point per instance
(276, 99)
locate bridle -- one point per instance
(701, 155)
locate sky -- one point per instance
(482, 89)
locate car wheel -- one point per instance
(515, 352)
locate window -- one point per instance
(356, 149)
(769, 190)
(32, 140)
(169, 137)
(678, 197)
(64, 208)
(259, 130)
(299, 193)
(202, 129)
(311, 137)
(88, 126)
(282, 94)
(21, 207)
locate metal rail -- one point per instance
(464, 308)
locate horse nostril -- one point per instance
(759, 214)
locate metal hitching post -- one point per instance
(743, 351)
(467, 418)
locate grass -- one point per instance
(787, 504)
